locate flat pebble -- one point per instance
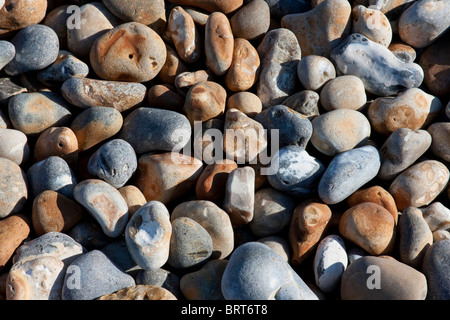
(436, 268)
(160, 278)
(8, 51)
(372, 23)
(66, 66)
(315, 71)
(246, 102)
(57, 141)
(437, 216)
(13, 231)
(305, 102)
(212, 181)
(14, 145)
(251, 21)
(344, 92)
(140, 292)
(440, 143)
(133, 197)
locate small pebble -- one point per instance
(279, 245)
(13, 231)
(66, 66)
(436, 268)
(14, 145)
(344, 92)
(437, 216)
(440, 235)
(133, 197)
(403, 51)
(185, 80)
(7, 53)
(315, 71)
(440, 142)
(140, 292)
(160, 278)
(172, 67)
(13, 188)
(57, 141)
(165, 96)
(251, 21)
(305, 102)
(372, 23)
(246, 102)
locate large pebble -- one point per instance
(57, 141)
(251, 21)
(344, 92)
(93, 275)
(280, 54)
(256, 272)
(7, 53)
(147, 235)
(219, 43)
(211, 5)
(372, 23)
(436, 268)
(14, 145)
(13, 231)
(129, 52)
(440, 145)
(381, 71)
(315, 71)
(347, 172)
(437, 216)
(420, 184)
(20, 14)
(140, 292)
(380, 278)
(66, 66)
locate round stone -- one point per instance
(13, 231)
(133, 197)
(246, 102)
(251, 21)
(372, 23)
(314, 71)
(440, 145)
(344, 92)
(16, 15)
(14, 145)
(148, 13)
(436, 268)
(140, 292)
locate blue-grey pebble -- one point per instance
(118, 253)
(114, 162)
(298, 173)
(280, 8)
(149, 129)
(436, 267)
(37, 47)
(160, 278)
(93, 275)
(347, 172)
(52, 173)
(256, 272)
(7, 53)
(382, 73)
(89, 234)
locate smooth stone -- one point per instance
(440, 142)
(256, 272)
(420, 184)
(308, 225)
(95, 125)
(340, 130)
(322, 28)
(423, 22)
(86, 93)
(206, 142)
(246, 102)
(315, 71)
(396, 280)
(437, 216)
(381, 71)
(413, 109)
(7, 53)
(89, 234)
(272, 212)
(53, 111)
(415, 237)
(198, 15)
(160, 278)
(56, 18)
(403, 51)
(330, 262)
(165, 96)
(347, 172)
(400, 150)
(185, 80)
(66, 66)
(129, 52)
(436, 268)
(440, 235)
(214, 220)
(133, 197)
(190, 244)
(13, 231)
(173, 66)
(251, 21)
(10, 88)
(37, 279)
(96, 275)
(344, 92)
(370, 226)
(372, 23)
(240, 195)
(105, 204)
(140, 292)
(57, 141)
(305, 102)
(211, 5)
(280, 245)
(37, 47)
(297, 172)
(167, 176)
(204, 284)
(13, 188)
(280, 54)
(52, 173)
(148, 13)
(148, 234)
(20, 14)
(14, 145)
(294, 129)
(117, 251)
(280, 8)
(54, 212)
(218, 43)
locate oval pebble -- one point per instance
(315, 71)
(13, 231)
(20, 14)
(211, 5)
(140, 292)
(251, 21)
(151, 14)
(14, 145)
(436, 268)
(13, 188)
(57, 141)
(133, 197)
(344, 92)
(372, 23)
(246, 102)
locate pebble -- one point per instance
(440, 143)
(308, 225)
(117, 251)
(415, 237)
(251, 21)
(246, 102)
(280, 8)
(160, 278)
(8, 51)
(56, 19)
(256, 272)
(204, 284)
(54, 212)
(133, 197)
(373, 24)
(13, 231)
(140, 292)
(89, 234)
(185, 80)
(315, 71)
(211, 5)
(10, 88)
(370, 226)
(382, 73)
(389, 279)
(214, 220)
(340, 130)
(437, 216)
(403, 51)
(14, 146)
(93, 275)
(86, 93)
(440, 235)
(344, 92)
(129, 52)
(436, 268)
(13, 188)
(330, 262)
(212, 181)
(165, 96)
(410, 144)
(200, 16)
(305, 102)
(20, 14)
(279, 245)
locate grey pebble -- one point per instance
(89, 234)
(279, 245)
(305, 102)
(7, 53)
(118, 253)
(436, 267)
(160, 278)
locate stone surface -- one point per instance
(160, 278)
(89, 234)
(14, 145)
(315, 71)
(440, 235)
(211, 5)
(372, 23)
(403, 51)
(57, 141)
(140, 292)
(305, 102)
(165, 96)
(133, 197)
(8, 51)
(436, 268)
(437, 216)
(56, 18)
(251, 21)
(185, 80)
(246, 102)
(280, 245)
(173, 66)
(344, 92)
(20, 14)
(148, 13)
(13, 231)
(10, 87)
(440, 143)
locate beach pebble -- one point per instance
(256, 272)
(205, 100)
(380, 278)
(372, 23)
(53, 111)
(211, 5)
(89, 234)
(133, 197)
(420, 184)
(370, 226)
(403, 51)
(129, 52)
(165, 96)
(344, 92)
(280, 8)
(330, 262)
(279, 245)
(93, 275)
(305, 102)
(10, 88)
(54, 212)
(208, 144)
(436, 268)
(308, 225)
(354, 253)
(167, 176)
(440, 235)
(37, 47)
(95, 125)
(66, 66)
(14, 145)
(440, 142)
(204, 284)
(20, 14)
(140, 292)
(382, 73)
(251, 21)
(56, 18)
(7, 53)
(185, 80)
(415, 237)
(214, 220)
(160, 278)
(13, 231)
(280, 54)
(13, 188)
(321, 29)
(437, 216)
(340, 130)
(410, 144)
(57, 141)
(315, 71)
(246, 102)
(117, 251)
(347, 172)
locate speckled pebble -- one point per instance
(437, 216)
(140, 292)
(344, 92)
(372, 23)
(66, 66)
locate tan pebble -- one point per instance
(251, 21)
(185, 80)
(344, 92)
(198, 15)
(211, 5)
(205, 100)
(15, 15)
(439, 235)
(437, 216)
(140, 292)
(246, 102)
(403, 51)
(372, 23)
(57, 20)
(57, 141)
(133, 197)
(13, 231)
(172, 67)
(315, 71)
(165, 96)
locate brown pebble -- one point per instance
(19, 14)
(246, 102)
(172, 67)
(13, 231)
(165, 96)
(133, 197)
(57, 141)
(211, 5)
